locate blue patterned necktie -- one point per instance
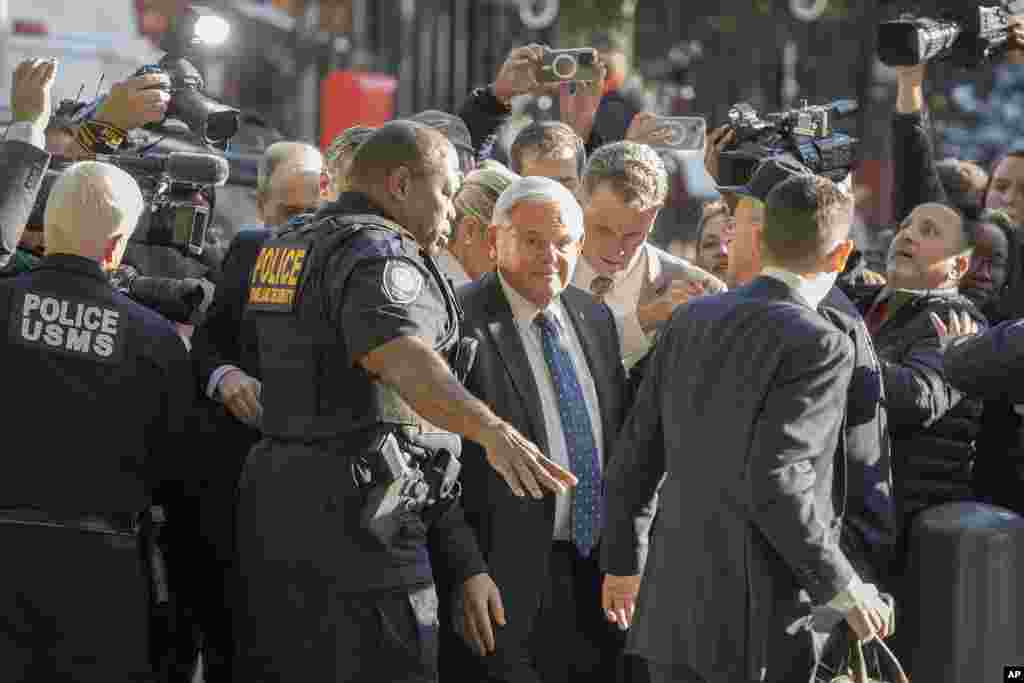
(579, 436)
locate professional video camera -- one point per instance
(968, 32)
(806, 133)
(178, 190)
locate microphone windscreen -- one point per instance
(199, 169)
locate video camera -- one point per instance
(968, 32)
(807, 133)
(177, 187)
(178, 191)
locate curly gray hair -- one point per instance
(635, 171)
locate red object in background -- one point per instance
(354, 98)
(876, 174)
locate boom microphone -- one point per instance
(182, 167)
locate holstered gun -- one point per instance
(409, 482)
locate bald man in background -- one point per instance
(226, 363)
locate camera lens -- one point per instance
(564, 66)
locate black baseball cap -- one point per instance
(769, 173)
(450, 125)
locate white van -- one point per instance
(90, 38)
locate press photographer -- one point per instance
(23, 160)
(178, 193)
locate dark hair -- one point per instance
(804, 216)
(547, 137)
(1016, 152)
(395, 144)
(964, 183)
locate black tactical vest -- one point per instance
(311, 391)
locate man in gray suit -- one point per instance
(625, 185)
(740, 413)
(23, 160)
(548, 362)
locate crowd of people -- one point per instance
(449, 414)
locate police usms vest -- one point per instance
(75, 327)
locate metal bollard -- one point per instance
(964, 617)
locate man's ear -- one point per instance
(261, 199)
(839, 255)
(961, 264)
(110, 250)
(397, 183)
(492, 242)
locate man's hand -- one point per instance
(872, 278)
(660, 309)
(618, 599)
(480, 608)
(869, 621)
(645, 129)
(522, 465)
(240, 394)
(910, 88)
(520, 74)
(135, 102)
(579, 102)
(30, 91)
(719, 139)
(960, 325)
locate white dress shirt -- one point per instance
(623, 297)
(524, 313)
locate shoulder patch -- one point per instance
(69, 326)
(402, 281)
(276, 276)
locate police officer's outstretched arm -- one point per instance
(424, 380)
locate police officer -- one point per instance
(99, 390)
(357, 328)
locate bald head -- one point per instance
(91, 212)
(289, 181)
(397, 144)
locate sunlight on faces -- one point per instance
(615, 230)
(562, 169)
(293, 189)
(1007, 189)
(537, 252)
(713, 249)
(428, 208)
(988, 266)
(744, 260)
(929, 250)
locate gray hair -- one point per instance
(636, 171)
(90, 203)
(480, 191)
(305, 158)
(542, 191)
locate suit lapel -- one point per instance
(505, 335)
(585, 332)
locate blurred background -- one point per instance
(306, 69)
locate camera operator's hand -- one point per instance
(718, 140)
(520, 74)
(136, 101)
(30, 91)
(579, 102)
(240, 394)
(910, 88)
(645, 129)
(1015, 48)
